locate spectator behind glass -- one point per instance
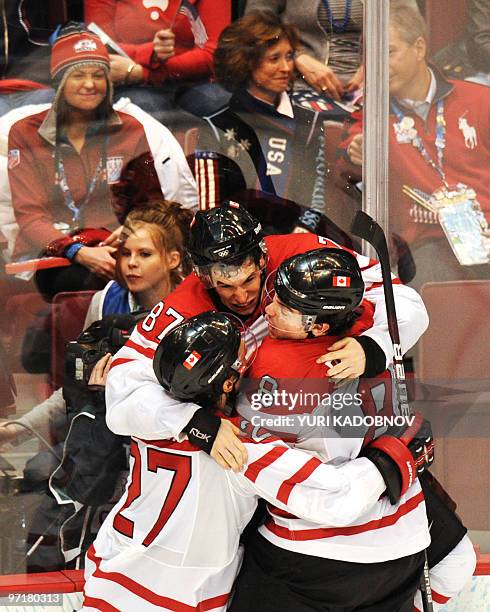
(439, 156)
(330, 32)
(152, 258)
(329, 60)
(151, 261)
(66, 166)
(276, 147)
(170, 50)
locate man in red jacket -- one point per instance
(439, 153)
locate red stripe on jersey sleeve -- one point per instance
(147, 352)
(438, 598)
(330, 532)
(154, 598)
(98, 604)
(278, 512)
(256, 467)
(119, 361)
(302, 474)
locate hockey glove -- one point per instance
(402, 454)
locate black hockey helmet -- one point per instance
(193, 361)
(326, 282)
(224, 236)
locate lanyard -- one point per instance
(338, 25)
(61, 180)
(440, 142)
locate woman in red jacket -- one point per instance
(169, 43)
(78, 164)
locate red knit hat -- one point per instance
(75, 48)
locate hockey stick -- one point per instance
(366, 228)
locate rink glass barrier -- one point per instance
(447, 372)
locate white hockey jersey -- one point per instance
(172, 541)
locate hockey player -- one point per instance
(172, 541)
(231, 259)
(318, 297)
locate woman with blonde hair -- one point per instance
(151, 259)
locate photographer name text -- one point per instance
(333, 420)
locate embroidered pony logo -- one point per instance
(469, 133)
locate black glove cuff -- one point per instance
(388, 470)
(375, 357)
(202, 429)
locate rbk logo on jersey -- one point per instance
(341, 281)
(191, 361)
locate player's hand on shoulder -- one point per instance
(228, 450)
(348, 360)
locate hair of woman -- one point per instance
(242, 45)
(168, 224)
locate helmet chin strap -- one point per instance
(230, 399)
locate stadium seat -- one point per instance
(454, 355)
(445, 21)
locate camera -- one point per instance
(107, 335)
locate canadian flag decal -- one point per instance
(341, 281)
(191, 361)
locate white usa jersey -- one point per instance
(172, 541)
